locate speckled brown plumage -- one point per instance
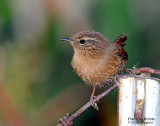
(96, 59)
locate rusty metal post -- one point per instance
(138, 101)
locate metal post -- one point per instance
(138, 102)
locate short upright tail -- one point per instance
(120, 40)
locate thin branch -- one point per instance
(143, 70)
(68, 120)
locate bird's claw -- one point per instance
(93, 101)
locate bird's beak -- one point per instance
(66, 39)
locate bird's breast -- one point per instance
(96, 71)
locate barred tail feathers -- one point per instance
(120, 40)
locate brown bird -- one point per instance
(97, 60)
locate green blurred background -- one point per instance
(37, 82)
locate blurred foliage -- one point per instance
(38, 85)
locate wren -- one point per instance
(96, 59)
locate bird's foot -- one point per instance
(65, 120)
(94, 101)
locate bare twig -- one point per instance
(144, 70)
(68, 120)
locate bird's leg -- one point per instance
(93, 99)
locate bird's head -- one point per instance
(88, 42)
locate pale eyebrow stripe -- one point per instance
(87, 38)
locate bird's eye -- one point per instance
(82, 41)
